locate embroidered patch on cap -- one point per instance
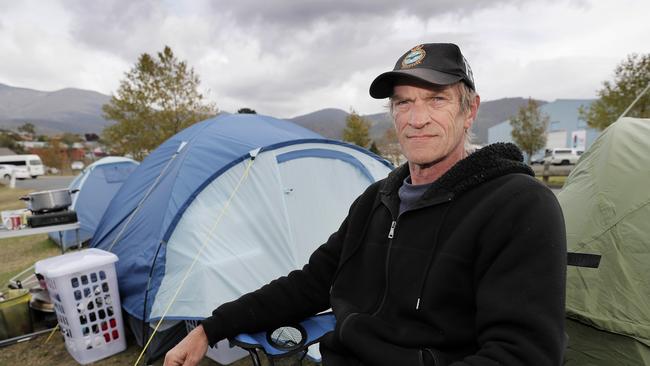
(414, 57)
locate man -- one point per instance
(453, 259)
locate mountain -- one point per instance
(331, 122)
(80, 111)
(65, 110)
(328, 122)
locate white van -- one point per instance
(562, 156)
(28, 165)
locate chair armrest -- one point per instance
(303, 334)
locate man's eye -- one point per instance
(437, 101)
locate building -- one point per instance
(565, 129)
(27, 145)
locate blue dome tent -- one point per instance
(97, 185)
(242, 198)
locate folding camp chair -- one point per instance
(286, 341)
(294, 339)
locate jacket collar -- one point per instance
(481, 166)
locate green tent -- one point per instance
(606, 204)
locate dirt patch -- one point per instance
(36, 352)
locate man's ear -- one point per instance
(473, 111)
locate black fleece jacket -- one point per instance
(474, 274)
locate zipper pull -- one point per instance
(392, 230)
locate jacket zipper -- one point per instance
(391, 234)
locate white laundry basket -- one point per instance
(83, 289)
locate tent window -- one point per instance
(326, 154)
(117, 174)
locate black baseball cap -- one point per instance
(435, 63)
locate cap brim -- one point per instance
(382, 86)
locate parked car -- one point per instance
(26, 165)
(20, 171)
(6, 170)
(77, 165)
(52, 170)
(562, 156)
(537, 159)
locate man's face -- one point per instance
(428, 121)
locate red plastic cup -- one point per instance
(15, 222)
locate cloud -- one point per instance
(121, 27)
(286, 58)
(128, 28)
(291, 14)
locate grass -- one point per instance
(9, 198)
(37, 352)
(555, 182)
(16, 254)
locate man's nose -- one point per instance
(419, 116)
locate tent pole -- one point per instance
(633, 103)
(146, 195)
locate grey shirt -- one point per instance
(409, 193)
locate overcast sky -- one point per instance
(286, 58)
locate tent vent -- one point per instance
(181, 146)
(253, 153)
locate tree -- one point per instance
(529, 128)
(8, 140)
(374, 149)
(56, 154)
(246, 111)
(28, 128)
(69, 138)
(91, 137)
(357, 130)
(158, 98)
(631, 77)
(389, 146)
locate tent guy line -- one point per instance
(224, 208)
(144, 198)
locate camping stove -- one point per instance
(48, 218)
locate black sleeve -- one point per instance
(520, 281)
(291, 298)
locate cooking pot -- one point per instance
(52, 200)
(14, 314)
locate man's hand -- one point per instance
(190, 350)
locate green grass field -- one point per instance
(555, 182)
(17, 254)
